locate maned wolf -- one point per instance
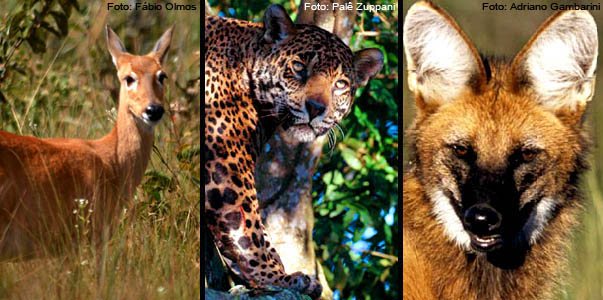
(491, 197)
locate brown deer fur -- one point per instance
(40, 179)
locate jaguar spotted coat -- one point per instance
(259, 77)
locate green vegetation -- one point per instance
(355, 188)
(57, 80)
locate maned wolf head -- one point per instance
(499, 146)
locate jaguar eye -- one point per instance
(341, 84)
(298, 66)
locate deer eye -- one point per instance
(161, 77)
(129, 80)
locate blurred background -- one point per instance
(354, 186)
(505, 33)
(57, 80)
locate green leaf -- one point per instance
(323, 211)
(329, 192)
(61, 20)
(365, 217)
(66, 6)
(37, 43)
(48, 27)
(25, 33)
(74, 3)
(156, 180)
(384, 275)
(350, 158)
(355, 143)
(391, 177)
(17, 18)
(357, 235)
(388, 233)
(348, 217)
(327, 177)
(360, 115)
(338, 180)
(338, 209)
(187, 153)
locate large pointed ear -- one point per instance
(116, 48)
(163, 45)
(558, 64)
(442, 62)
(367, 62)
(277, 24)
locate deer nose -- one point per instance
(154, 112)
(315, 108)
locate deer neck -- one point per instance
(131, 143)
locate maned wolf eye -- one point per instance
(527, 155)
(460, 151)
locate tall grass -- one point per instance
(586, 260)
(70, 91)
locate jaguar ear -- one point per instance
(367, 63)
(277, 24)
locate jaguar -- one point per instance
(259, 77)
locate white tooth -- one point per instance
(486, 240)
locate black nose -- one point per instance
(154, 112)
(482, 219)
(315, 108)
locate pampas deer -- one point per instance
(41, 180)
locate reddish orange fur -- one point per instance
(495, 118)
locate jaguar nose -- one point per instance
(315, 108)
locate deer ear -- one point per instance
(558, 64)
(442, 62)
(163, 45)
(116, 48)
